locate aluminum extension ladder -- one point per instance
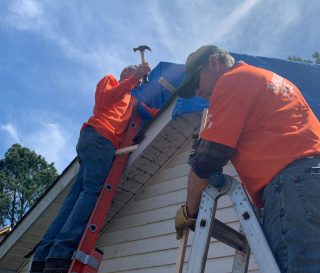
(250, 237)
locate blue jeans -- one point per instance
(95, 155)
(291, 218)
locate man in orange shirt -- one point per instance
(262, 123)
(99, 138)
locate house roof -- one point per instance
(162, 140)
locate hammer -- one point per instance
(142, 48)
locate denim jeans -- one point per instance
(95, 155)
(291, 218)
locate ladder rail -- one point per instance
(252, 228)
(87, 259)
(241, 258)
(202, 235)
(207, 226)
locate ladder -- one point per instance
(250, 237)
(87, 259)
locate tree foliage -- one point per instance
(315, 56)
(24, 176)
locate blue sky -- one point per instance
(53, 52)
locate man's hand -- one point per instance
(152, 111)
(142, 69)
(182, 221)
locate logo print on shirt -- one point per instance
(279, 84)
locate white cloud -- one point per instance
(102, 39)
(26, 14)
(277, 19)
(231, 21)
(29, 15)
(175, 29)
(50, 140)
(12, 131)
(53, 142)
(26, 8)
(182, 26)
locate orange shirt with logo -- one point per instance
(266, 119)
(113, 108)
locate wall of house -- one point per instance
(142, 238)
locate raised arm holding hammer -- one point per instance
(99, 137)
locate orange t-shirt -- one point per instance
(266, 119)
(113, 108)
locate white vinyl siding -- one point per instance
(142, 239)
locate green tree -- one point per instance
(4, 198)
(315, 55)
(24, 176)
(298, 59)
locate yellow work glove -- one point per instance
(182, 221)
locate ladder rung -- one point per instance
(126, 150)
(86, 259)
(229, 236)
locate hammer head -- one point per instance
(142, 48)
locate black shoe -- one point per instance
(57, 265)
(37, 266)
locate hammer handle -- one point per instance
(145, 77)
(142, 57)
